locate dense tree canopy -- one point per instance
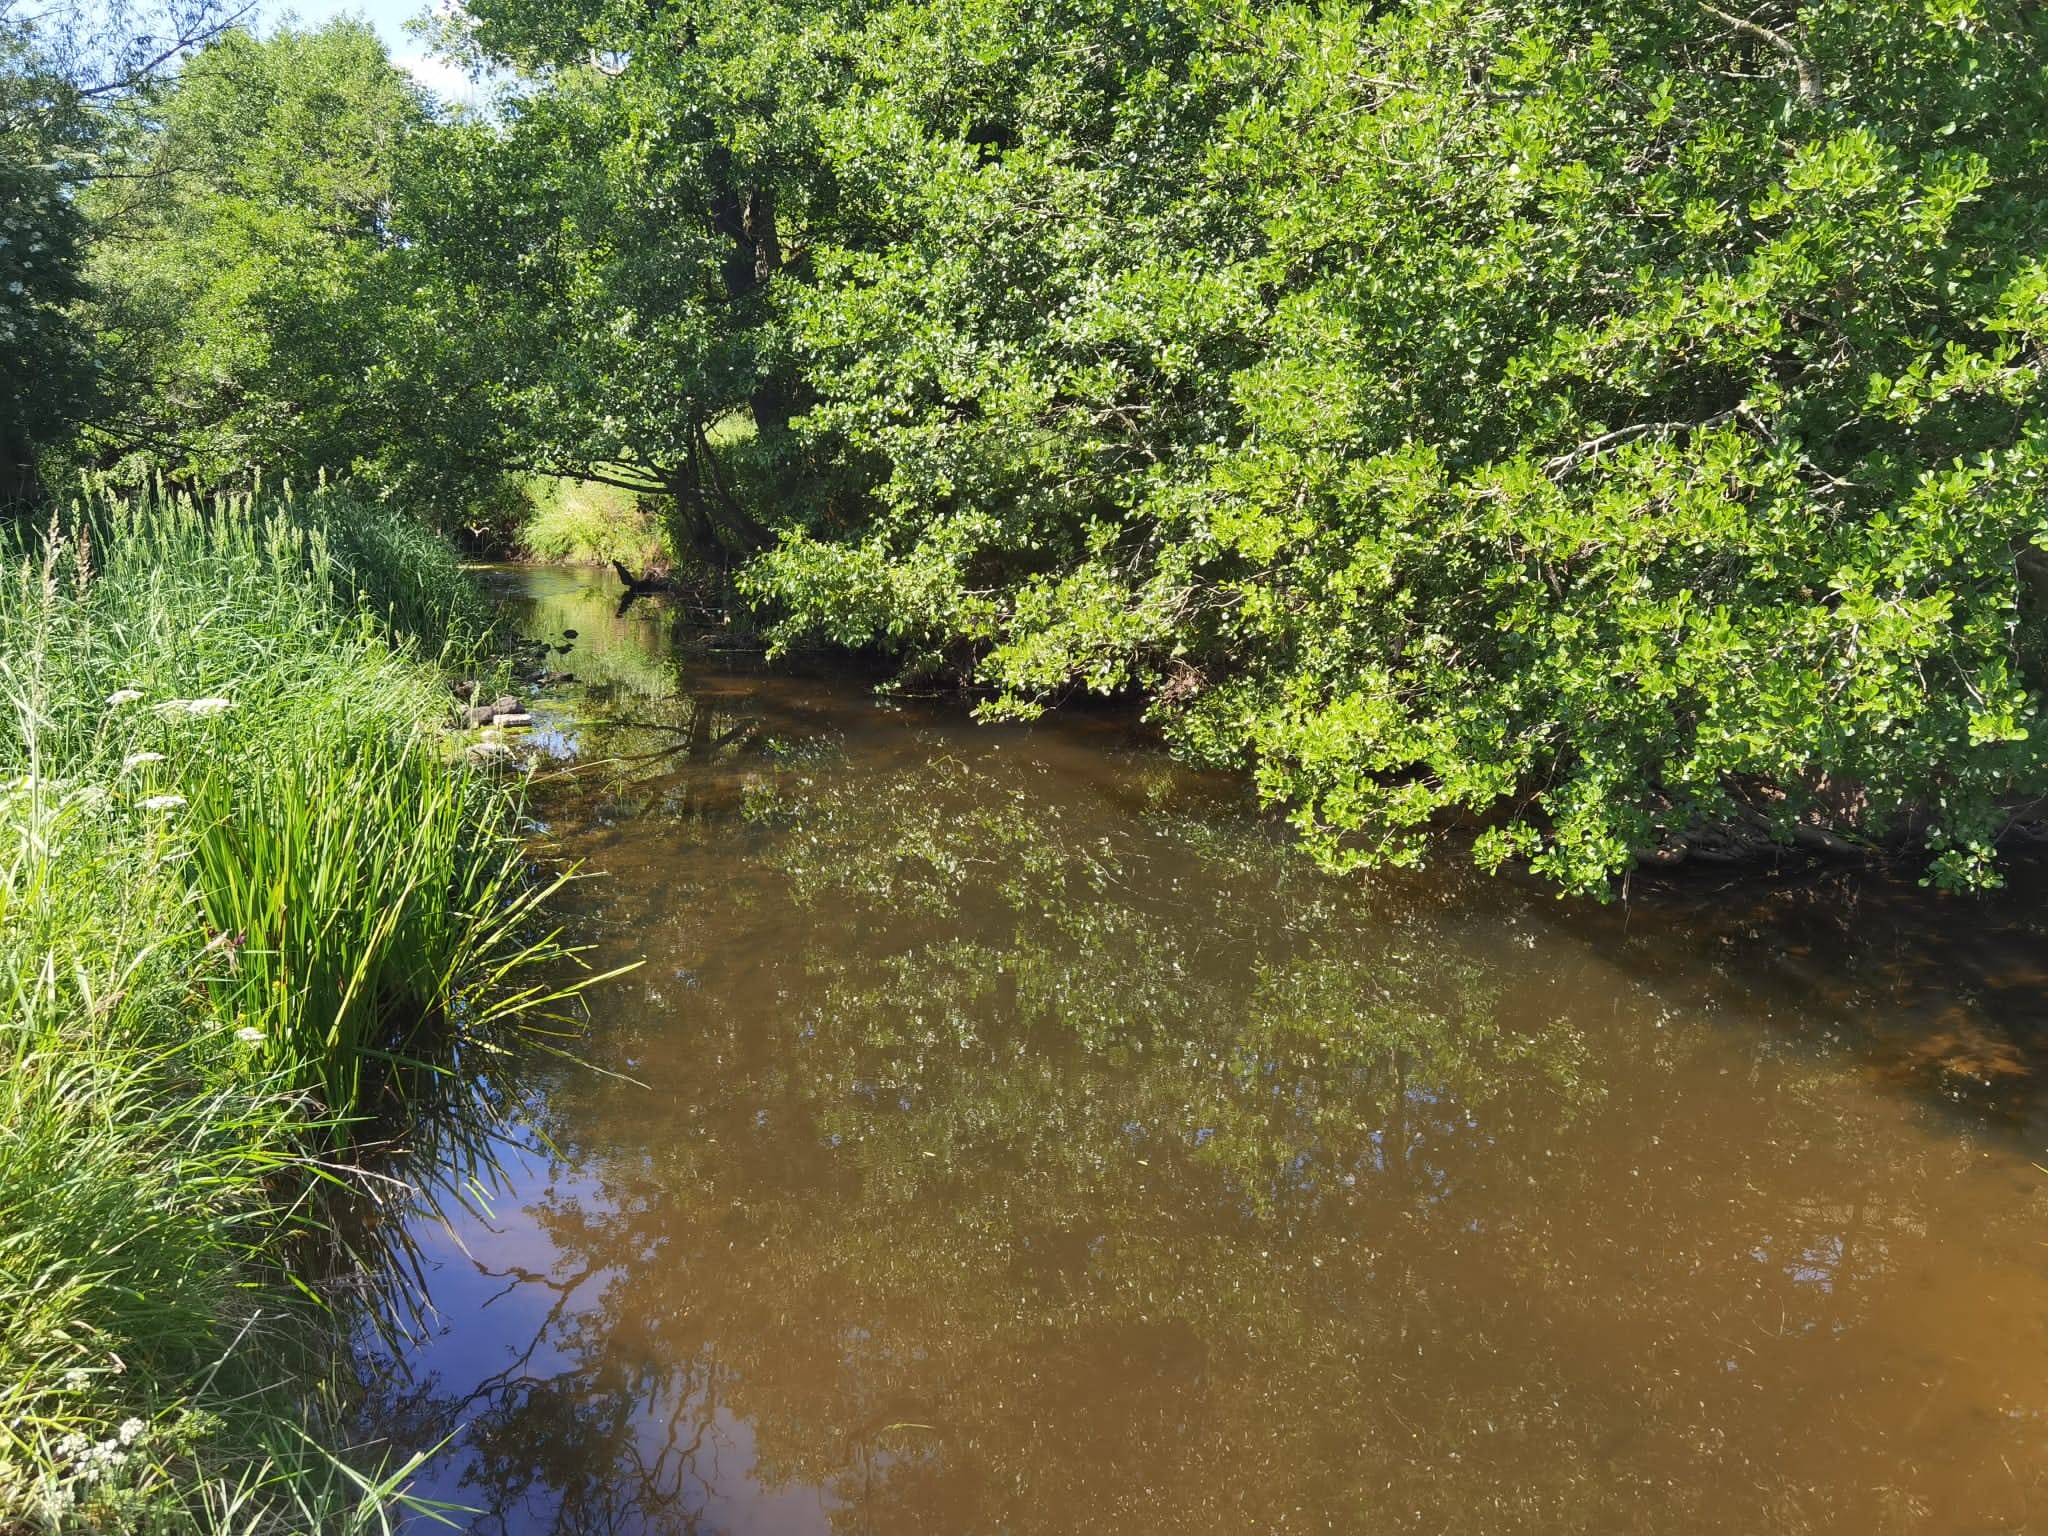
(66, 71)
(237, 277)
(1595, 422)
(43, 377)
(1590, 424)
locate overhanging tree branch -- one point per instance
(647, 485)
(1809, 83)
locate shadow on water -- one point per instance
(1007, 1132)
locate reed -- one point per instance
(239, 878)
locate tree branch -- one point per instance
(1809, 83)
(1592, 447)
(186, 39)
(646, 486)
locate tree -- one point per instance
(1603, 430)
(43, 377)
(595, 272)
(238, 260)
(1602, 424)
(62, 72)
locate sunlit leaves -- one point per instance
(1573, 428)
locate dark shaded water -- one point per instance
(1006, 1133)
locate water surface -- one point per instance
(1005, 1132)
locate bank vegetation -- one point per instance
(1597, 430)
(247, 894)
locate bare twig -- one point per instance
(1592, 447)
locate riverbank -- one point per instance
(549, 520)
(242, 881)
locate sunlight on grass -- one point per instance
(579, 522)
(240, 879)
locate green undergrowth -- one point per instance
(580, 522)
(241, 879)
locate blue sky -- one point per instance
(389, 18)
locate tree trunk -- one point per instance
(745, 216)
(759, 228)
(19, 486)
(696, 535)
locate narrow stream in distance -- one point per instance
(1007, 1133)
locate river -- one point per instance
(1006, 1132)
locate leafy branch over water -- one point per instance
(1609, 430)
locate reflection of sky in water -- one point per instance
(496, 1285)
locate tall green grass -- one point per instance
(579, 522)
(240, 877)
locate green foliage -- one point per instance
(239, 878)
(581, 523)
(43, 134)
(634, 222)
(239, 258)
(1591, 426)
(1602, 422)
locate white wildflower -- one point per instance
(249, 1036)
(102, 1458)
(198, 709)
(163, 802)
(131, 1430)
(72, 1446)
(122, 696)
(77, 1379)
(136, 760)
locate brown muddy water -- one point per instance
(1005, 1132)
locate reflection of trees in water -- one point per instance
(1048, 1169)
(602, 1444)
(636, 769)
(1943, 993)
(631, 652)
